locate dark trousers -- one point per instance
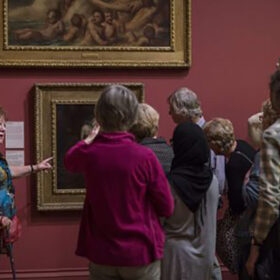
(268, 264)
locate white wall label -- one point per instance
(15, 158)
(14, 135)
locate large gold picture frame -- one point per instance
(63, 115)
(95, 33)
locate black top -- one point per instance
(162, 150)
(239, 164)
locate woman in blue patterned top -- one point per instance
(7, 173)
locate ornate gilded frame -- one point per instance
(48, 98)
(176, 55)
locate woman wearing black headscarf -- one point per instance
(191, 230)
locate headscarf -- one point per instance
(190, 172)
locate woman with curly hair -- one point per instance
(239, 158)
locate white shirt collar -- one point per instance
(201, 122)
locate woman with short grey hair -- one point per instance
(116, 109)
(184, 106)
(126, 193)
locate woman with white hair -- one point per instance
(184, 106)
(126, 193)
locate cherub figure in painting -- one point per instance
(95, 31)
(76, 30)
(53, 29)
(133, 14)
(110, 26)
(139, 22)
(148, 38)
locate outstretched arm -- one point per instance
(25, 170)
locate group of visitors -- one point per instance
(150, 210)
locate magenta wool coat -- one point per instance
(126, 193)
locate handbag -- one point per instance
(14, 231)
(227, 245)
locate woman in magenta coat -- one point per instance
(126, 193)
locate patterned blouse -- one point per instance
(269, 197)
(6, 180)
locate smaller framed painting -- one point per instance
(64, 114)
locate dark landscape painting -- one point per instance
(74, 122)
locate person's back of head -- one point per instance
(116, 109)
(184, 105)
(220, 135)
(146, 125)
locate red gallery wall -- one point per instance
(235, 45)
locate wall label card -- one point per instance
(15, 158)
(14, 135)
